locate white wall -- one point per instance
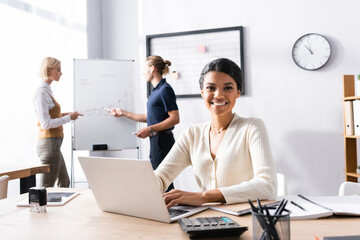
(301, 109)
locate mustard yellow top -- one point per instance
(55, 112)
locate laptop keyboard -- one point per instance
(176, 212)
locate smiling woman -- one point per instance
(230, 155)
(220, 93)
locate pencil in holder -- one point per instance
(270, 226)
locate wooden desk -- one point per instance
(82, 219)
(26, 173)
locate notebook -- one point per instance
(234, 209)
(303, 208)
(129, 187)
(343, 238)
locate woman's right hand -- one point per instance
(75, 115)
(117, 112)
(176, 197)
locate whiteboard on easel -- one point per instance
(101, 84)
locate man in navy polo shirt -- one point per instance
(162, 111)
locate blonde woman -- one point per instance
(162, 111)
(50, 121)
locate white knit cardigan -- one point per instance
(243, 168)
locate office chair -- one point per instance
(282, 188)
(3, 186)
(349, 188)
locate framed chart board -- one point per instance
(101, 84)
(190, 51)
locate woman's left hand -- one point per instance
(176, 197)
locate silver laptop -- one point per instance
(129, 187)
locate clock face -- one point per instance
(311, 51)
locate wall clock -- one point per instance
(311, 51)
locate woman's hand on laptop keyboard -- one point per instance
(177, 197)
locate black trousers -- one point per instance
(160, 146)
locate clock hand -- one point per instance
(308, 49)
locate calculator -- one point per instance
(211, 227)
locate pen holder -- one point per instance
(271, 227)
